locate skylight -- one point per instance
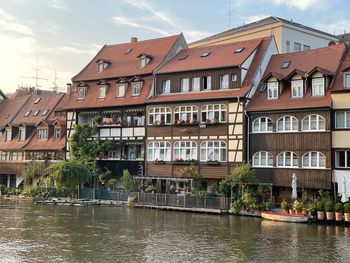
(37, 100)
(128, 50)
(36, 112)
(205, 54)
(262, 87)
(27, 113)
(285, 64)
(183, 57)
(239, 50)
(44, 112)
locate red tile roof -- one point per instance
(220, 56)
(338, 84)
(91, 96)
(9, 109)
(125, 64)
(327, 58)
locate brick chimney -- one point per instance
(69, 85)
(133, 40)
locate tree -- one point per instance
(127, 180)
(32, 171)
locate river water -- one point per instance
(42, 233)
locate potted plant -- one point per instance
(339, 209)
(320, 210)
(347, 212)
(329, 208)
(267, 205)
(297, 206)
(285, 206)
(312, 209)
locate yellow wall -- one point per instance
(341, 139)
(341, 100)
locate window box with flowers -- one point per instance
(158, 162)
(187, 122)
(158, 123)
(181, 161)
(213, 162)
(212, 122)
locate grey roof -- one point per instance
(263, 22)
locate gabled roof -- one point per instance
(338, 83)
(219, 56)
(296, 71)
(123, 63)
(3, 94)
(9, 109)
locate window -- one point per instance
(287, 159)
(347, 80)
(136, 88)
(287, 124)
(314, 160)
(234, 77)
(214, 113)
(166, 86)
(37, 100)
(224, 81)
(207, 83)
(186, 150)
(287, 46)
(297, 47)
(27, 113)
(101, 66)
(297, 88)
(239, 50)
(81, 93)
(183, 57)
(102, 91)
(128, 51)
(8, 134)
(144, 60)
(272, 90)
(36, 112)
(159, 151)
(285, 64)
(121, 90)
(57, 133)
(342, 120)
(262, 124)
(318, 87)
(185, 85)
(262, 159)
(159, 115)
(196, 84)
(20, 156)
(306, 47)
(314, 122)
(213, 151)
(186, 114)
(42, 134)
(342, 159)
(22, 134)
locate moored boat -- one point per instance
(293, 218)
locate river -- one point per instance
(42, 233)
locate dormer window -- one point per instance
(57, 133)
(297, 88)
(8, 134)
(27, 113)
(121, 90)
(81, 93)
(205, 54)
(239, 50)
(102, 89)
(22, 134)
(272, 90)
(166, 86)
(44, 112)
(318, 87)
(347, 80)
(136, 88)
(42, 134)
(144, 60)
(37, 100)
(102, 65)
(285, 64)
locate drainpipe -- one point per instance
(248, 134)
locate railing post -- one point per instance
(185, 200)
(138, 197)
(165, 199)
(156, 199)
(205, 201)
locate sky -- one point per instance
(59, 37)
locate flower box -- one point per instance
(184, 162)
(213, 163)
(159, 162)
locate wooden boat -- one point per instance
(293, 218)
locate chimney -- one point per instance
(68, 87)
(133, 40)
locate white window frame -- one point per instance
(42, 133)
(211, 110)
(208, 80)
(262, 159)
(272, 90)
(306, 123)
(215, 149)
(57, 133)
(347, 80)
(196, 84)
(22, 134)
(297, 87)
(318, 86)
(186, 113)
(262, 125)
(186, 150)
(289, 124)
(81, 93)
(287, 160)
(185, 85)
(346, 161)
(346, 120)
(297, 44)
(121, 90)
(136, 88)
(103, 88)
(3, 156)
(8, 134)
(159, 151)
(159, 115)
(224, 81)
(166, 86)
(316, 155)
(101, 66)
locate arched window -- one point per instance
(314, 122)
(287, 124)
(314, 160)
(262, 159)
(214, 113)
(185, 150)
(287, 159)
(159, 150)
(159, 115)
(213, 151)
(262, 124)
(186, 114)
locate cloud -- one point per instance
(336, 27)
(300, 4)
(59, 4)
(79, 49)
(251, 19)
(9, 25)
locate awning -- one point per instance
(88, 113)
(134, 110)
(110, 111)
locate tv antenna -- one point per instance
(36, 77)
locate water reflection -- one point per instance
(34, 233)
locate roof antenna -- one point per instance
(284, 9)
(36, 77)
(55, 87)
(229, 14)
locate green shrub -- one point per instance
(131, 201)
(285, 205)
(329, 206)
(312, 207)
(267, 205)
(236, 206)
(347, 208)
(339, 207)
(320, 205)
